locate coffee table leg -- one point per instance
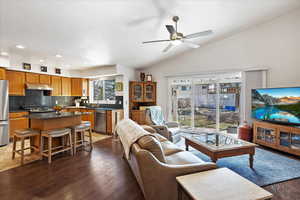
(179, 192)
(251, 159)
(186, 146)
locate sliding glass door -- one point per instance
(206, 102)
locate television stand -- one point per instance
(280, 137)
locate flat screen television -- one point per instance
(278, 105)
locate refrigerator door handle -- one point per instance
(3, 123)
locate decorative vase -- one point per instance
(142, 76)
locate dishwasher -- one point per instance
(100, 121)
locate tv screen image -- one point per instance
(280, 105)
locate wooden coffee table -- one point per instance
(219, 145)
(219, 184)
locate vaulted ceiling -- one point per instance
(102, 32)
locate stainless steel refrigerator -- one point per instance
(4, 133)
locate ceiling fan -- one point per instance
(177, 38)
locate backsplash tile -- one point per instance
(37, 98)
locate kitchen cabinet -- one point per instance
(79, 87)
(56, 85)
(112, 118)
(32, 78)
(66, 86)
(16, 82)
(17, 120)
(2, 74)
(45, 79)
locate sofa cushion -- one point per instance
(160, 137)
(151, 144)
(182, 158)
(174, 131)
(148, 128)
(170, 148)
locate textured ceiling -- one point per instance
(103, 32)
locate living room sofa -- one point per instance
(156, 162)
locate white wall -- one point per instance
(275, 45)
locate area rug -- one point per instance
(6, 161)
(269, 167)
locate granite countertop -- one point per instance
(93, 108)
(56, 116)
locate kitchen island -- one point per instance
(49, 121)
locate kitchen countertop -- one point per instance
(55, 116)
(93, 108)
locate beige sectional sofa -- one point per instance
(156, 162)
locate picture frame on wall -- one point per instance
(119, 86)
(44, 69)
(57, 71)
(26, 66)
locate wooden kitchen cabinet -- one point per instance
(56, 85)
(79, 87)
(17, 120)
(32, 78)
(16, 82)
(112, 118)
(2, 74)
(45, 79)
(66, 86)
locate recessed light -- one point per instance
(20, 46)
(41, 60)
(3, 53)
(58, 56)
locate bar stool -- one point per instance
(57, 133)
(23, 134)
(81, 129)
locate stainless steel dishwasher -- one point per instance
(100, 121)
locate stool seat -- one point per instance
(26, 132)
(59, 132)
(81, 127)
(86, 122)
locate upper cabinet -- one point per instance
(143, 91)
(32, 78)
(137, 91)
(16, 82)
(45, 79)
(79, 87)
(149, 91)
(66, 86)
(56, 85)
(2, 74)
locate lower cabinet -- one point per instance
(17, 120)
(139, 116)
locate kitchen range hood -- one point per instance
(30, 86)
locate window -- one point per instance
(102, 91)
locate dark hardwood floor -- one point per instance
(103, 175)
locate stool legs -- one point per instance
(49, 149)
(14, 147)
(91, 139)
(22, 151)
(70, 141)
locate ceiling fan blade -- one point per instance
(168, 48)
(153, 41)
(191, 44)
(171, 29)
(199, 34)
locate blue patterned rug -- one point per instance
(269, 167)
